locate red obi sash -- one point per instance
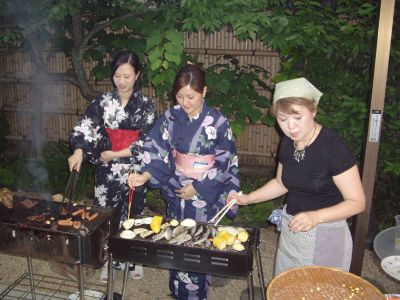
(122, 138)
(193, 166)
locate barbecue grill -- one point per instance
(34, 232)
(161, 254)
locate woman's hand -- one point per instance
(135, 179)
(75, 160)
(186, 192)
(106, 156)
(305, 221)
(241, 198)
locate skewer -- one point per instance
(223, 211)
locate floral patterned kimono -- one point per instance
(207, 133)
(90, 135)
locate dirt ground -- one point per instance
(154, 285)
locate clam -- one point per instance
(188, 223)
(142, 221)
(127, 224)
(174, 222)
(146, 233)
(127, 234)
(139, 230)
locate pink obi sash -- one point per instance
(122, 138)
(193, 166)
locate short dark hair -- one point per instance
(125, 57)
(192, 75)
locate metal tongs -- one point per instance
(69, 191)
(219, 215)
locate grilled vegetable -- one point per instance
(155, 224)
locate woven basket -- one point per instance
(317, 283)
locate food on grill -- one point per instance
(6, 197)
(28, 203)
(219, 243)
(78, 212)
(146, 233)
(188, 223)
(227, 237)
(36, 218)
(143, 221)
(127, 234)
(174, 222)
(243, 236)
(77, 224)
(155, 224)
(139, 230)
(166, 233)
(91, 217)
(238, 247)
(188, 233)
(65, 222)
(127, 224)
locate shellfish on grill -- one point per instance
(143, 221)
(127, 224)
(127, 234)
(174, 222)
(188, 223)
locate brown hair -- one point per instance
(192, 75)
(285, 105)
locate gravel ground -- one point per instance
(154, 285)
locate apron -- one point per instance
(327, 244)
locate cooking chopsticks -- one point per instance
(219, 215)
(130, 198)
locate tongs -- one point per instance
(219, 215)
(69, 190)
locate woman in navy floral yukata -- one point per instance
(110, 134)
(190, 154)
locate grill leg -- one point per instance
(250, 285)
(260, 272)
(110, 282)
(81, 281)
(125, 280)
(31, 282)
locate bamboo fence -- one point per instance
(62, 102)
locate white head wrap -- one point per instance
(299, 87)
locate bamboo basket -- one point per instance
(317, 283)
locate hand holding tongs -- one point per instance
(219, 215)
(69, 190)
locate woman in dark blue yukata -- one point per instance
(110, 134)
(190, 154)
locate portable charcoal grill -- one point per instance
(36, 239)
(160, 254)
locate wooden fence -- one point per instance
(62, 102)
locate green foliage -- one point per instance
(231, 89)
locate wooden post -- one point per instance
(374, 128)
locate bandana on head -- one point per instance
(299, 87)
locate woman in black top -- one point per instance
(319, 175)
